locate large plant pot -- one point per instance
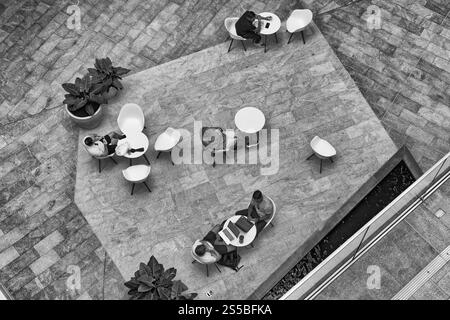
(89, 122)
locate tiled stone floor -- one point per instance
(401, 255)
(402, 69)
(38, 52)
(303, 91)
(38, 142)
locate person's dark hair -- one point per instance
(200, 250)
(257, 195)
(250, 15)
(88, 141)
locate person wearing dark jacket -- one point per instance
(249, 26)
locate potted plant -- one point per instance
(83, 102)
(107, 77)
(152, 282)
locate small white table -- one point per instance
(167, 141)
(274, 26)
(135, 141)
(250, 120)
(248, 236)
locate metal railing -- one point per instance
(336, 263)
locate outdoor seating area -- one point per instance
(189, 149)
(232, 94)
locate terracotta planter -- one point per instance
(89, 122)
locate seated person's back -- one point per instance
(245, 25)
(95, 147)
(205, 252)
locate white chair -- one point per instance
(230, 25)
(131, 119)
(110, 156)
(298, 20)
(270, 222)
(167, 141)
(322, 150)
(230, 142)
(206, 260)
(137, 174)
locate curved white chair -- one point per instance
(273, 213)
(206, 260)
(167, 141)
(110, 156)
(230, 25)
(137, 174)
(322, 150)
(298, 20)
(131, 119)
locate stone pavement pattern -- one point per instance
(304, 91)
(38, 142)
(399, 260)
(402, 69)
(38, 52)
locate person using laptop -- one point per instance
(213, 249)
(249, 26)
(259, 211)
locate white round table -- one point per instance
(249, 236)
(249, 120)
(135, 141)
(274, 26)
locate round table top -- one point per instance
(135, 141)
(166, 142)
(248, 236)
(274, 26)
(249, 120)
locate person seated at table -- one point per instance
(98, 146)
(228, 253)
(249, 26)
(206, 252)
(259, 211)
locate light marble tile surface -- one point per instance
(303, 90)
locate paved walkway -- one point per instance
(304, 91)
(402, 69)
(38, 52)
(402, 254)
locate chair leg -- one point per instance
(112, 159)
(207, 270)
(320, 171)
(145, 184)
(194, 261)
(265, 43)
(99, 165)
(310, 156)
(132, 189)
(289, 41)
(245, 49)
(146, 159)
(276, 38)
(217, 267)
(159, 153)
(303, 37)
(231, 43)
